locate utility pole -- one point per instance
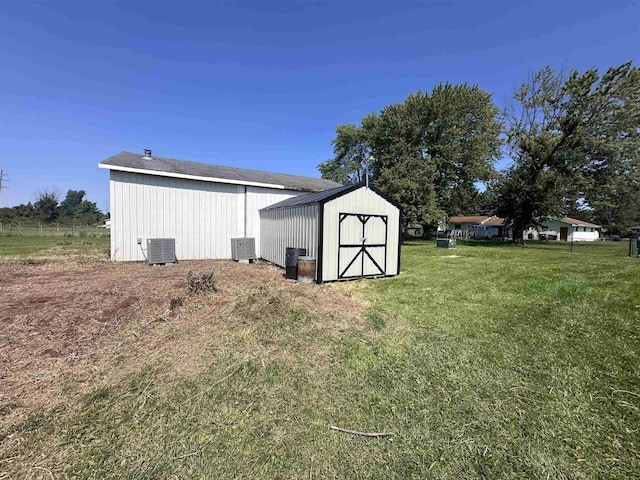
(2, 177)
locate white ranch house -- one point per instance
(565, 229)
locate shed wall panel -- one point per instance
(288, 227)
(258, 198)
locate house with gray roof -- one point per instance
(202, 206)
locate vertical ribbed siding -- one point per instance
(257, 199)
(288, 227)
(201, 216)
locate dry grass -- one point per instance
(69, 326)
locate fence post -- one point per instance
(40, 229)
(630, 246)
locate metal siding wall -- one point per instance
(288, 227)
(257, 199)
(201, 216)
(363, 201)
(112, 213)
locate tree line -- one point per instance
(573, 140)
(47, 208)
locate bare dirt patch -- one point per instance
(62, 322)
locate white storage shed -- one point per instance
(201, 206)
(352, 231)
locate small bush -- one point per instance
(200, 283)
(175, 303)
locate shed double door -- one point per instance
(362, 245)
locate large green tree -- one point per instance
(69, 206)
(351, 153)
(46, 206)
(428, 152)
(573, 137)
(76, 208)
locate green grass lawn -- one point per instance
(53, 246)
(498, 362)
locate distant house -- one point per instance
(564, 229)
(478, 227)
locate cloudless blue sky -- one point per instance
(257, 84)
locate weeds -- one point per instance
(175, 303)
(262, 303)
(199, 283)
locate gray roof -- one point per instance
(182, 167)
(326, 196)
(309, 198)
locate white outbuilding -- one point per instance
(351, 231)
(564, 229)
(199, 207)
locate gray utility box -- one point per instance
(445, 243)
(161, 250)
(243, 248)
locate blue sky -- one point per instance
(257, 84)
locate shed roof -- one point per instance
(169, 167)
(326, 196)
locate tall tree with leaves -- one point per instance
(351, 152)
(69, 206)
(76, 208)
(427, 152)
(46, 206)
(566, 134)
(402, 168)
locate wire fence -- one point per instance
(612, 248)
(21, 229)
(599, 248)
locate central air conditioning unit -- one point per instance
(243, 249)
(161, 251)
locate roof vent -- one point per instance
(147, 154)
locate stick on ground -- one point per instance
(362, 434)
